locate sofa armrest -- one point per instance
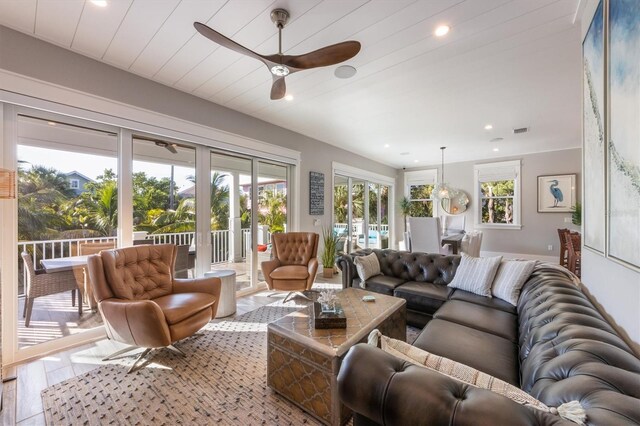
(135, 322)
(348, 268)
(387, 390)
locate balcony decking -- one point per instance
(54, 317)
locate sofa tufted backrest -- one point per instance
(140, 272)
(568, 351)
(422, 267)
(295, 248)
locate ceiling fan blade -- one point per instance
(226, 42)
(329, 55)
(278, 88)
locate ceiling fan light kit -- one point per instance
(281, 65)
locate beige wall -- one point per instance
(31, 57)
(539, 230)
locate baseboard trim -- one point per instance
(550, 259)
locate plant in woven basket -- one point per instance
(328, 258)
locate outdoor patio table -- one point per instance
(77, 264)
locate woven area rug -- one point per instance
(222, 380)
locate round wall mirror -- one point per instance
(455, 205)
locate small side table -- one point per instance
(227, 303)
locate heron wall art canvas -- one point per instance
(556, 194)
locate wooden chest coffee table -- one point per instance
(303, 362)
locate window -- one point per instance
(498, 189)
(74, 184)
(419, 190)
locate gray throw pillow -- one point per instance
(367, 267)
(510, 278)
(475, 274)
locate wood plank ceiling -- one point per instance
(509, 63)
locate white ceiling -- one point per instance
(508, 63)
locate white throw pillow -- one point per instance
(367, 267)
(511, 276)
(572, 411)
(475, 274)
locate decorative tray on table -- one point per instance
(335, 319)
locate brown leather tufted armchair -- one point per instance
(294, 264)
(141, 302)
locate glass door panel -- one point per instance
(67, 204)
(272, 207)
(164, 198)
(374, 235)
(231, 216)
(341, 212)
(384, 216)
(358, 225)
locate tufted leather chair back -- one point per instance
(136, 273)
(422, 267)
(295, 248)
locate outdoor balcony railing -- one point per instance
(54, 249)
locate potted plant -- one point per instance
(328, 258)
(405, 209)
(576, 214)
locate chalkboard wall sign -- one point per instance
(316, 193)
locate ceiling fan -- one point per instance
(281, 65)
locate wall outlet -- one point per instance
(316, 222)
(567, 220)
(550, 247)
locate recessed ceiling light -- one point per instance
(100, 3)
(488, 127)
(496, 149)
(415, 161)
(288, 98)
(345, 71)
(442, 30)
(386, 145)
(51, 123)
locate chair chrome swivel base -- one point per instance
(140, 356)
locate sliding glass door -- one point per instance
(67, 205)
(360, 213)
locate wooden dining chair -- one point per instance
(563, 247)
(86, 249)
(574, 252)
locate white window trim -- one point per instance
(516, 167)
(422, 177)
(75, 182)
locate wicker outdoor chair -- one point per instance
(38, 285)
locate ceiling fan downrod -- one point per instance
(280, 17)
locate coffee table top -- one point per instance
(362, 318)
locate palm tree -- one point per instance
(182, 219)
(102, 207)
(41, 193)
(272, 210)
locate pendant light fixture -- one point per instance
(443, 190)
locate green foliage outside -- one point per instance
(421, 202)
(497, 201)
(49, 209)
(341, 202)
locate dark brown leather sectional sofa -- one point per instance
(554, 345)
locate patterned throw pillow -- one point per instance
(572, 411)
(510, 278)
(475, 274)
(367, 267)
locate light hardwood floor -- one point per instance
(22, 404)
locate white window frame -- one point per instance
(503, 170)
(74, 183)
(422, 177)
